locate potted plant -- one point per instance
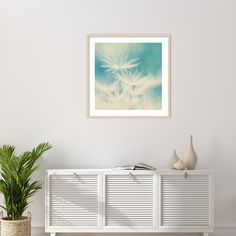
(17, 187)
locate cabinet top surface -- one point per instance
(125, 171)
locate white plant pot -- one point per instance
(16, 227)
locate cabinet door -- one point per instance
(74, 199)
(129, 199)
(185, 200)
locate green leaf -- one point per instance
(15, 182)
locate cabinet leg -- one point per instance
(205, 234)
(52, 234)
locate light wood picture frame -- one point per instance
(128, 76)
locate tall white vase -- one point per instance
(190, 158)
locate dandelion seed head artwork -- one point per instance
(127, 76)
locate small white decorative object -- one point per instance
(190, 156)
(180, 165)
(173, 159)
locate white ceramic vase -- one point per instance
(173, 159)
(179, 165)
(190, 158)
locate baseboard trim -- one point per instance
(225, 230)
(38, 230)
(220, 230)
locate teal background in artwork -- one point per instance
(149, 64)
(150, 55)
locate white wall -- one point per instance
(43, 87)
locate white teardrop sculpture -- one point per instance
(190, 158)
(173, 159)
(180, 165)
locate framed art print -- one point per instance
(128, 75)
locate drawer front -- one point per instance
(129, 200)
(185, 200)
(74, 200)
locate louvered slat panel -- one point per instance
(129, 200)
(74, 200)
(185, 201)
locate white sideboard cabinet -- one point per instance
(129, 201)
